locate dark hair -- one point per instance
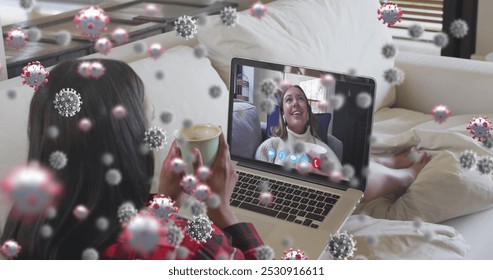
(280, 129)
(83, 177)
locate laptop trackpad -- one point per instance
(263, 228)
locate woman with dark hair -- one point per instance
(297, 124)
(112, 121)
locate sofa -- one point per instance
(444, 214)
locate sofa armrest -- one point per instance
(465, 86)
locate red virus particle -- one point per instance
(389, 13)
(103, 46)
(294, 255)
(80, 212)
(155, 51)
(16, 38)
(258, 10)
(202, 192)
(143, 233)
(203, 172)
(440, 113)
(10, 249)
(31, 188)
(96, 70)
(119, 36)
(151, 10)
(91, 21)
(188, 183)
(479, 128)
(34, 75)
(327, 80)
(265, 198)
(162, 207)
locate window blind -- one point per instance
(427, 13)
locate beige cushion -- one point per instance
(326, 34)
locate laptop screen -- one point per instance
(300, 122)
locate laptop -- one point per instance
(306, 205)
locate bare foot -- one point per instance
(408, 175)
(402, 160)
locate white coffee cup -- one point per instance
(204, 137)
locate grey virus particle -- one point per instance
(414, 156)
(360, 258)
(58, 160)
(223, 256)
(354, 182)
(417, 223)
(468, 159)
(27, 4)
(46, 231)
(267, 88)
(140, 47)
(485, 165)
(263, 186)
(199, 229)
(488, 142)
(428, 235)
(200, 51)
(102, 224)
(186, 27)
(187, 123)
(113, 177)
(155, 138)
(166, 117)
(197, 207)
(415, 31)
(208, 2)
(90, 254)
(348, 170)
(202, 19)
(372, 240)
(33, 34)
(440, 40)
(337, 101)
(364, 100)
(11, 93)
(174, 235)
(264, 252)
(459, 28)
(229, 16)
(51, 213)
(287, 241)
(107, 159)
(182, 252)
(67, 102)
(213, 201)
(63, 37)
(299, 147)
(341, 246)
(126, 212)
(159, 75)
(389, 50)
(394, 76)
(215, 91)
(266, 106)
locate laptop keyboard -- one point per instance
(290, 202)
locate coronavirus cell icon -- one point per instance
(199, 229)
(294, 255)
(229, 16)
(258, 10)
(479, 128)
(186, 27)
(155, 51)
(34, 75)
(119, 36)
(103, 46)
(68, 102)
(143, 233)
(126, 212)
(10, 249)
(389, 13)
(155, 138)
(440, 113)
(16, 38)
(91, 21)
(162, 207)
(202, 192)
(31, 188)
(174, 234)
(188, 183)
(341, 246)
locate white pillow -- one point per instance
(326, 34)
(378, 239)
(184, 91)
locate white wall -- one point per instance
(484, 35)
